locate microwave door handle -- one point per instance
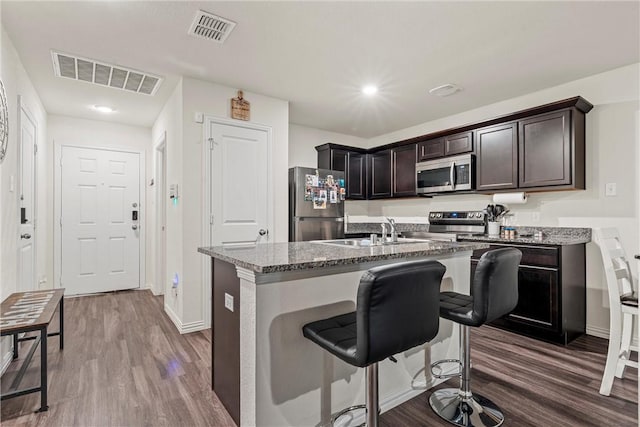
(452, 175)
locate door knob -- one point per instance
(263, 232)
(134, 227)
(25, 236)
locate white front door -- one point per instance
(240, 196)
(27, 203)
(100, 192)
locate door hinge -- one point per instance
(60, 161)
(60, 222)
(211, 219)
(210, 143)
(35, 149)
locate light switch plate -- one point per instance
(610, 189)
(228, 301)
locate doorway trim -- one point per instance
(208, 197)
(160, 244)
(23, 108)
(57, 209)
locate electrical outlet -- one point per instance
(228, 301)
(610, 189)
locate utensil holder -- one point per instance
(493, 228)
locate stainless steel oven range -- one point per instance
(449, 225)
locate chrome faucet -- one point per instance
(393, 231)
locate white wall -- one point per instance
(612, 145)
(17, 83)
(65, 130)
(185, 167)
(169, 122)
(303, 140)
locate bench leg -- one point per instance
(43, 370)
(15, 346)
(62, 323)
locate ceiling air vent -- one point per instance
(103, 74)
(211, 27)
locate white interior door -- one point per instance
(27, 203)
(240, 196)
(100, 191)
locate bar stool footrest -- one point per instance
(350, 409)
(437, 364)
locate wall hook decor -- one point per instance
(240, 108)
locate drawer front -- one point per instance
(543, 256)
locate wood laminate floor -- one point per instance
(124, 364)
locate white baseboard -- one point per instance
(599, 332)
(184, 328)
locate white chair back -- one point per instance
(616, 267)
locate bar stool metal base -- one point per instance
(472, 411)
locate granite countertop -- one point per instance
(525, 234)
(279, 257)
(558, 236)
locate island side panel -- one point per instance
(226, 337)
(324, 384)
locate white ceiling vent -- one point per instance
(103, 74)
(211, 27)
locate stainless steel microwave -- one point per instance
(444, 175)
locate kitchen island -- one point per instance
(266, 373)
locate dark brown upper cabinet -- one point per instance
(497, 157)
(404, 170)
(446, 146)
(545, 150)
(537, 149)
(432, 149)
(380, 174)
(356, 176)
(351, 161)
(458, 143)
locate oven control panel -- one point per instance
(457, 217)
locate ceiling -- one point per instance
(318, 55)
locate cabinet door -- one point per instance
(431, 149)
(356, 176)
(404, 170)
(545, 150)
(496, 157)
(380, 174)
(537, 298)
(339, 159)
(458, 143)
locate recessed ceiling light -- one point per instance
(445, 90)
(103, 109)
(370, 90)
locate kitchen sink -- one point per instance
(360, 243)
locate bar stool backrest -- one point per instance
(616, 267)
(495, 284)
(397, 308)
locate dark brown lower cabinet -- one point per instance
(551, 289)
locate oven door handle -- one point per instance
(452, 175)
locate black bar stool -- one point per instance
(494, 293)
(396, 309)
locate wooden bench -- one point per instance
(29, 312)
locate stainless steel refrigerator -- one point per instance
(316, 204)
